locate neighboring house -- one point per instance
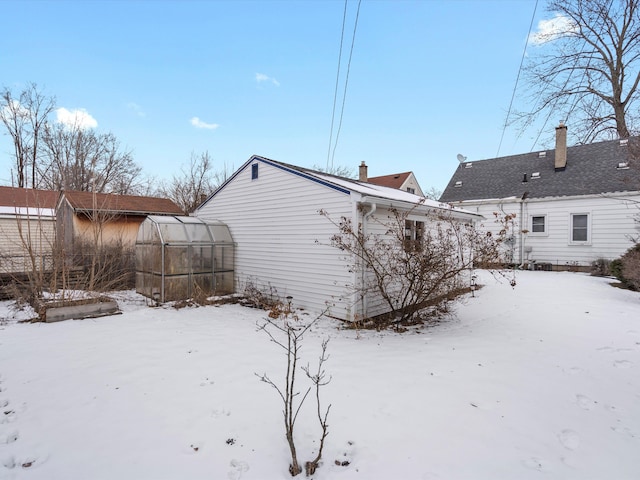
(402, 181)
(572, 205)
(27, 229)
(105, 218)
(283, 242)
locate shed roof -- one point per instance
(120, 204)
(602, 167)
(27, 197)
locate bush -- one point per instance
(601, 267)
(631, 267)
(627, 268)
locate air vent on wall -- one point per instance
(458, 183)
(542, 154)
(535, 175)
(623, 166)
(468, 165)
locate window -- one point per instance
(579, 227)
(254, 171)
(413, 234)
(538, 224)
(411, 190)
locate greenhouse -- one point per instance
(183, 257)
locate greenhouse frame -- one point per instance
(180, 257)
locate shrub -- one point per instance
(627, 268)
(631, 267)
(601, 267)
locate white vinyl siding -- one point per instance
(282, 240)
(611, 226)
(24, 240)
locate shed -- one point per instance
(179, 257)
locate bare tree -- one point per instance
(337, 170)
(194, 184)
(433, 193)
(25, 117)
(586, 69)
(415, 263)
(285, 329)
(76, 158)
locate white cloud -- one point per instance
(549, 30)
(196, 122)
(261, 77)
(136, 109)
(78, 118)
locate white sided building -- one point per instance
(282, 241)
(573, 205)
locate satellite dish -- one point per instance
(461, 158)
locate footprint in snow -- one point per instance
(624, 431)
(623, 364)
(238, 468)
(12, 437)
(605, 349)
(534, 463)
(572, 370)
(569, 439)
(585, 402)
(27, 462)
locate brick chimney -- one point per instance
(363, 174)
(561, 147)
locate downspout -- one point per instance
(522, 229)
(363, 296)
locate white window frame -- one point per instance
(580, 242)
(545, 232)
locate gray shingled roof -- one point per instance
(591, 169)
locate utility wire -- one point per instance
(346, 82)
(515, 87)
(335, 93)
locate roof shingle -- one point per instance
(591, 169)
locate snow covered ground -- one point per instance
(540, 381)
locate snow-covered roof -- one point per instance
(367, 189)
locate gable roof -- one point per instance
(121, 204)
(370, 192)
(591, 169)
(393, 181)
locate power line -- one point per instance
(335, 93)
(515, 87)
(346, 82)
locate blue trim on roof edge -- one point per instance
(273, 163)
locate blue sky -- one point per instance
(428, 79)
